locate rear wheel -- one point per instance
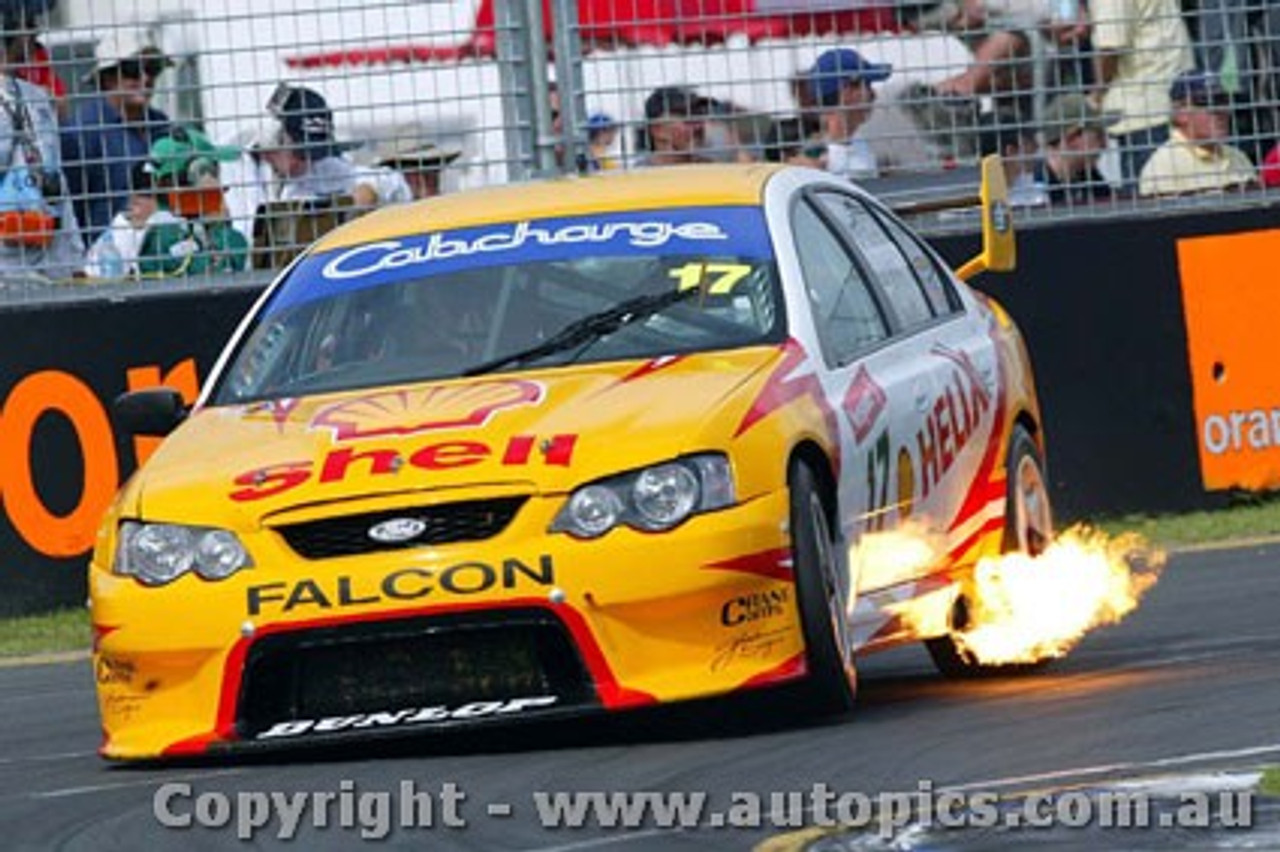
(1028, 529)
(822, 592)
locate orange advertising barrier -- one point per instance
(62, 394)
(1232, 308)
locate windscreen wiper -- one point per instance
(587, 329)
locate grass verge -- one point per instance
(1270, 783)
(1247, 517)
(65, 630)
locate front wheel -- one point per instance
(822, 592)
(1028, 529)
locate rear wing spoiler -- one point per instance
(982, 189)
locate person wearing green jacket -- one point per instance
(196, 237)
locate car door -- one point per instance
(941, 454)
(871, 377)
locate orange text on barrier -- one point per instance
(58, 393)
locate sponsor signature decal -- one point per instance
(405, 584)
(408, 716)
(752, 645)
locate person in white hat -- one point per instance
(110, 133)
(421, 165)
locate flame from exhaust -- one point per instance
(1029, 608)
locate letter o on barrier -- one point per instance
(33, 397)
(1217, 436)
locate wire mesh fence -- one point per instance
(159, 139)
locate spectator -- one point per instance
(249, 182)
(1240, 41)
(114, 254)
(1139, 47)
(840, 81)
(421, 166)
(38, 233)
(602, 133)
(787, 142)
(1269, 173)
(802, 94)
(1197, 158)
(199, 238)
(1075, 134)
(724, 125)
(999, 33)
(1015, 142)
(38, 68)
(309, 162)
(111, 132)
(674, 130)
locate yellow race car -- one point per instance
(568, 447)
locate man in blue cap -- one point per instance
(840, 86)
(1196, 158)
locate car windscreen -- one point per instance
(529, 294)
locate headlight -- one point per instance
(664, 495)
(653, 499)
(593, 510)
(156, 554)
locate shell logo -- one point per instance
(425, 409)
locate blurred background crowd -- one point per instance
(149, 140)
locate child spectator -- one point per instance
(198, 238)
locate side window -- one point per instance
(884, 258)
(845, 313)
(937, 286)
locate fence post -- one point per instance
(567, 42)
(511, 27)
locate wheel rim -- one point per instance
(1035, 521)
(833, 586)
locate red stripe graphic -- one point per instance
(774, 564)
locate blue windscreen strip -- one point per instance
(688, 231)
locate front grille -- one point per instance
(473, 520)
(390, 666)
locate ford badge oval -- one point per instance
(397, 530)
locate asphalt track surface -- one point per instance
(1191, 681)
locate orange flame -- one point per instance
(1027, 609)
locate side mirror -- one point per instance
(153, 412)
(999, 250)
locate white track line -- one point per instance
(42, 758)
(123, 785)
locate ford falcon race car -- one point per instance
(568, 447)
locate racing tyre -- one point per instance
(822, 590)
(1028, 529)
